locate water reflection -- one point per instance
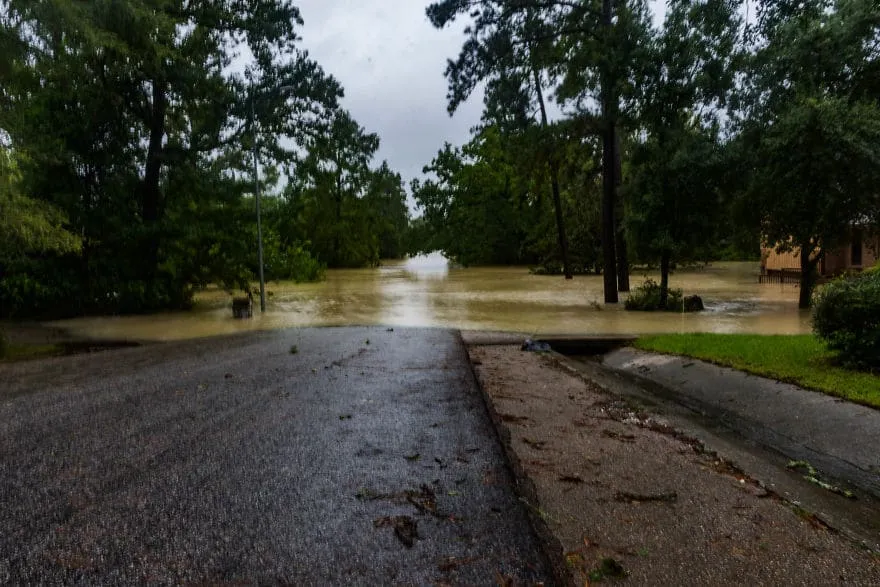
(426, 291)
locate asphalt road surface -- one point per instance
(366, 457)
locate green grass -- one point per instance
(24, 352)
(799, 359)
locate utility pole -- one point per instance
(257, 193)
(257, 198)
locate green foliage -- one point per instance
(646, 298)
(847, 317)
(292, 262)
(673, 190)
(489, 203)
(131, 131)
(353, 215)
(26, 225)
(811, 127)
(800, 359)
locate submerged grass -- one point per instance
(799, 359)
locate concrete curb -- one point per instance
(552, 548)
(757, 432)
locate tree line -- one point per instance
(608, 140)
(128, 130)
(127, 134)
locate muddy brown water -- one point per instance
(426, 291)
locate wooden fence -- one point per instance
(780, 276)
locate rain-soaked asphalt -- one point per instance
(234, 460)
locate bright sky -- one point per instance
(390, 60)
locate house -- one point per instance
(862, 251)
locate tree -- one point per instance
(388, 214)
(594, 53)
(472, 208)
(514, 62)
(817, 167)
(331, 180)
(673, 191)
(811, 125)
(26, 225)
(135, 127)
(29, 229)
(486, 203)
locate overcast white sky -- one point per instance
(390, 60)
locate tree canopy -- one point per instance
(132, 124)
(718, 131)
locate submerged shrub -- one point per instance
(847, 318)
(646, 298)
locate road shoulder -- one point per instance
(621, 491)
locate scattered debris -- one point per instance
(812, 475)
(608, 569)
(367, 341)
(535, 444)
(451, 563)
(810, 517)
(571, 479)
(670, 497)
(365, 493)
(490, 478)
(405, 528)
(389, 330)
(228, 376)
(574, 559)
(413, 457)
(424, 500)
(345, 417)
(535, 347)
(294, 349)
(618, 436)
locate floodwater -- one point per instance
(425, 291)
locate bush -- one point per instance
(646, 298)
(294, 263)
(847, 318)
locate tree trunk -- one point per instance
(664, 279)
(554, 183)
(609, 186)
(620, 232)
(150, 193)
(808, 277)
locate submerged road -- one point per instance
(365, 457)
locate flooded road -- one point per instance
(426, 292)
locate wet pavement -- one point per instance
(366, 457)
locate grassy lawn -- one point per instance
(23, 352)
(799, 359)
